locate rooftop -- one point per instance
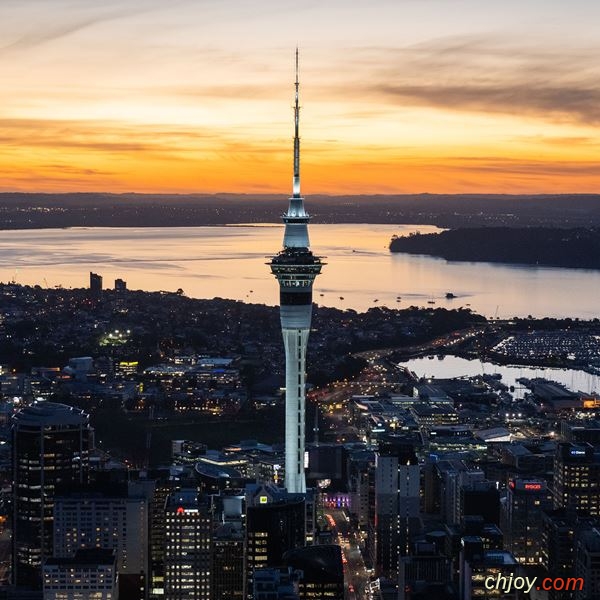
(42, 414)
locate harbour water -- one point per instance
(229, 262)
(453, 366)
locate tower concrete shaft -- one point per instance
(295, 268)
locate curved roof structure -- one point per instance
(50, 414)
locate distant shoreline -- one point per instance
(50, 211)
(577, 248)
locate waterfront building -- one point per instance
(295, 268)
(51, 444)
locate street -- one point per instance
(356, 578)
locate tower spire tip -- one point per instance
(296, 181)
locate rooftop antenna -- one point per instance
(296, 187)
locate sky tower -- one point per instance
(295, 268)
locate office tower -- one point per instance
(108, 519)
(425, 570)
(558, 544)
(561, 536)
(275, 524)
(120, 286)
(521, 518)
(188, 534)
(328, 461)
(51, 444)
(482, 499)
(321, 571)
(227, 567)
(587, 566)
(453, 476)
(577, 479)
(95, 285)
(477, 564)
(397, 503)
(295, 268)
(360, 485)
(228, 547)
(90, 573)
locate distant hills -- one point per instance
(21, 210)
(573, 248)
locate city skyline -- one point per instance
(439, 96)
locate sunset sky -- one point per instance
(398, 96)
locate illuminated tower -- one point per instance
(295, 268)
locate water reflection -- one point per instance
(453, 366)
(229, 262)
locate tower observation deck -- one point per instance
(295, 268)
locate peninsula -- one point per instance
(550, 247)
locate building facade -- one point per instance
(88, 575)
(577, 479)
(275, 524)
(522, 519)
(397, 502)
(51, 444)
(113, 521)
(188, 539)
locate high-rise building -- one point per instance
(453, 476)
(321, 571)
(162, 489)
(188, 535)
(295, 268)
(522, 518)
(478, 564)
(424, 565)
(360, 483)
(397, 502)
(51, 444)
(482, 499)
(120, 286)
(275, 524)
(577, 479)
(558, 543)
(90, 573)
(567, 549)
(587, 566)
(227, 570)
(95, 285)
(106, 519)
